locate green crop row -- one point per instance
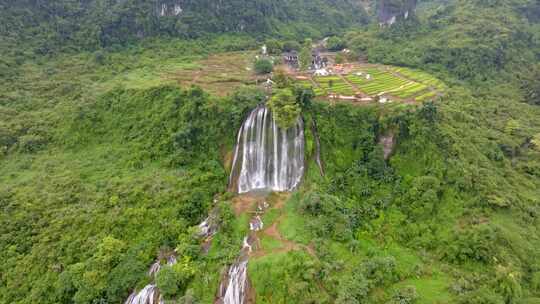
(421, 77)
(409, 92)
(426, 96)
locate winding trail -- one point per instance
(273, 232)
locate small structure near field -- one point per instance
(291, 58)
(316, 60)
(383, 98)
(321, 72)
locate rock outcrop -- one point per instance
(392, 11)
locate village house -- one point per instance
(291, 58)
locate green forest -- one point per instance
(119, 122)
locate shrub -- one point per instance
(531, 86)
(536, 141)
(353, 290)
(483, 295)
(512, 127)
(380, 270)
(477, 243)
(284, 108)
(273, 46)
(7, 137)
(173, 280)
(508, 284)
(405, 295)
(99, 57)
(340, 58)
(263, 66)
(535, 281)
(291, 46)
(167, 281)
(31, 143)
(305, 57)
(328, 215)
(281, 79)
(335, 44)
(188, 298)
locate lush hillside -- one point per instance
(109, 157)
(49, 26)
(95, 181)
(475, 41)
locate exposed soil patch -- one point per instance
(245, 203)
(219, 74)
(280, 200)
(273, 232)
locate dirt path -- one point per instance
(246, 203)
(273, 232)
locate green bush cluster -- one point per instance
(374, 272)
(263, 66)
(173, 280)
(285, 109)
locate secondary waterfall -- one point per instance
(234, 287)
(150, 293)
(267, 157)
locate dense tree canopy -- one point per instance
(50, 26)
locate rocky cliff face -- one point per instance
(391, 11)
(169, 8)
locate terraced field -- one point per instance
(403, 83)
(421, 77)
(378, 82)
(426, 96)
(334, 84)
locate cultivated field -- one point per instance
(219, 74)
(396, 83)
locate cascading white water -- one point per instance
(237, 285)
(267, 157)
(148, 295)
(234, 288)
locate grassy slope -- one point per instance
(91, 162)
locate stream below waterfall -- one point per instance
(235, 286)
(266, 158)
(150, 293)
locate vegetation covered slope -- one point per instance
(104, 164)
(50, 26)
(474, 41)
(101, 169)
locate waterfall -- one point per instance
(235, 286)
(150, 293)
(267, 157)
